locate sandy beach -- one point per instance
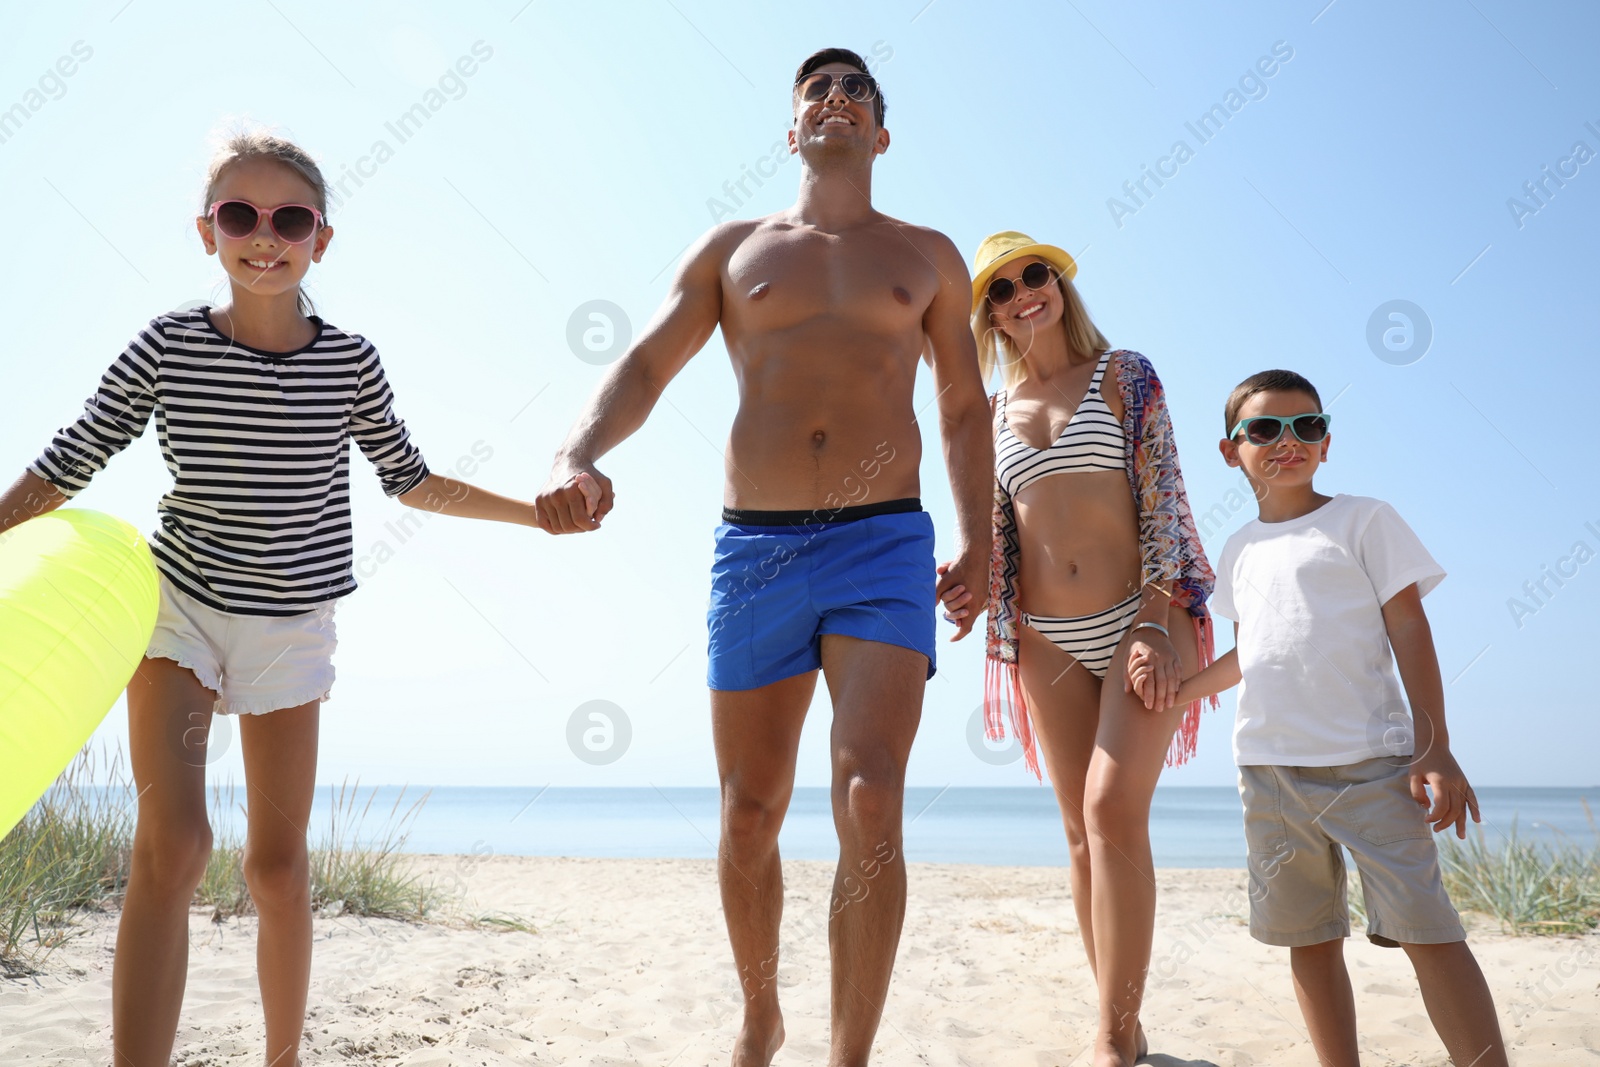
(630, 966)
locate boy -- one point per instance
(1320, 590)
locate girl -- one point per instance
(256, 404)
(1103, 570)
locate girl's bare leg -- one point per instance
(1130, 748)
(280, 767)
(169, 719)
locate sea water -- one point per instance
(1190, 826)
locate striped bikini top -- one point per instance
(1091, 441)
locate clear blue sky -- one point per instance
(582, 155)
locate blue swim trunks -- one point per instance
(780, 580)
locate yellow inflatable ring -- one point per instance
(78, 600)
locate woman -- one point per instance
(1096, 596)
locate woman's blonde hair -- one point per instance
(995, 349)
(245, 143)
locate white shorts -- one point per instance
(254, 663)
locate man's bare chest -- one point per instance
(863, 280)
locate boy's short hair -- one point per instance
(844, 55)
(1268, 381)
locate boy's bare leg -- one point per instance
(280, 774)
(1459, 1004)
(1130, 749)
(757, 735)
(877, 703)
(169, 718)
(1322, 985)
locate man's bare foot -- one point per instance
(758, 1043)
(1141, 1045)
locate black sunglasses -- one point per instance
(1034, 276)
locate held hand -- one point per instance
(574, 500)
(591, 493)
(1140, 672)
(957, 579)
(1154, 671)
(1453, 798)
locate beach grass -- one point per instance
(352, 873)
(370, 876)
(1527, 887)
(222, 888)
(71, 852)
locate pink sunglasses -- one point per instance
(292, 223)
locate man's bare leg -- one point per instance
(757, 734)
(877, 703)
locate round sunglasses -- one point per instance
(815, 87)
(292, 223)
(1034, 276)
(1310, 428)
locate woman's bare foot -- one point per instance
(1108, 1055)
(758, 1042)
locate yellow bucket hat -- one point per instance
(1001, 248)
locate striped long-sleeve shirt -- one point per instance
(258, 443)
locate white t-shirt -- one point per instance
(1318, 684)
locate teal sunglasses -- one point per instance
(1266, 429)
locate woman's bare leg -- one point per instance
(280, 768)
(1064, 705)
(1130, 748)
(169, 719)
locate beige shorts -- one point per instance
(254, 663)
(1297, 823)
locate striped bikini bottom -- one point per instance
(1089, 639)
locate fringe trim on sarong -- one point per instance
(1002, 690)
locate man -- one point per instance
(824, 558)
